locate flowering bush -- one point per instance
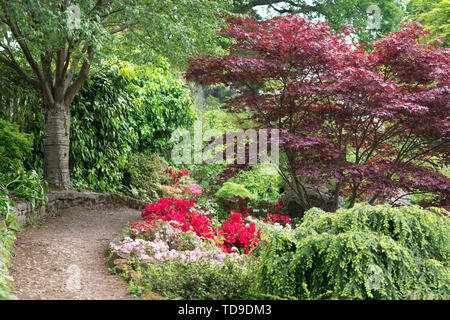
(234, 234)
(274, 218)
(178, 184)
(182, 212)
(158, 251)
(174, 175)
(194, 190)
(238, 234)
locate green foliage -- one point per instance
(200, 280)
(163, 27)
(434, 15)
(161, 104)
(339, 13)
(260, 181)
(145, 170)
(153, 26)
(208, 175)
(15, 145)
(143, 175)
(7, 223)
(6, 208)
(230, 189)
(6, 239)
(365, 252)
(123, 110)
(26, 185)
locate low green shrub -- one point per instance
(367, 252)
(200, 280)
(261, 180)
(230, 190)
(144, 170)
(143, 176)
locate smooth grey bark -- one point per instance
(57, 144)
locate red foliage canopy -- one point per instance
(363, 123)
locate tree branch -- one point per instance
(82, 76)
(21, 72)
(33, 64)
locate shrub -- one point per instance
(143, 172)
(232, 235)
(367, 252)
(200, 279)
(175, 253)
(15, 145)
(260, 181)
(230, 189)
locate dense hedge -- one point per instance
(15, 145)
(367, 252)
(124, 109)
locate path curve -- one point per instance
(51, 257)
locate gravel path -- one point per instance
(64, 257)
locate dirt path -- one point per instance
(64, 257)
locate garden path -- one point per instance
(64, 257)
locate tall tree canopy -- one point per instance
(338, 13)
(434, 15)
(51, 44)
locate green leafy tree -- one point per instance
(434, 15)
(52, 45)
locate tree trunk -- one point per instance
(336, 194)
(56, 145)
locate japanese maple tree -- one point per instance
(355, 123)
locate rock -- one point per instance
(318, 198)
(291, 206)
(60, 200)
(122, 265)
(399, 198)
